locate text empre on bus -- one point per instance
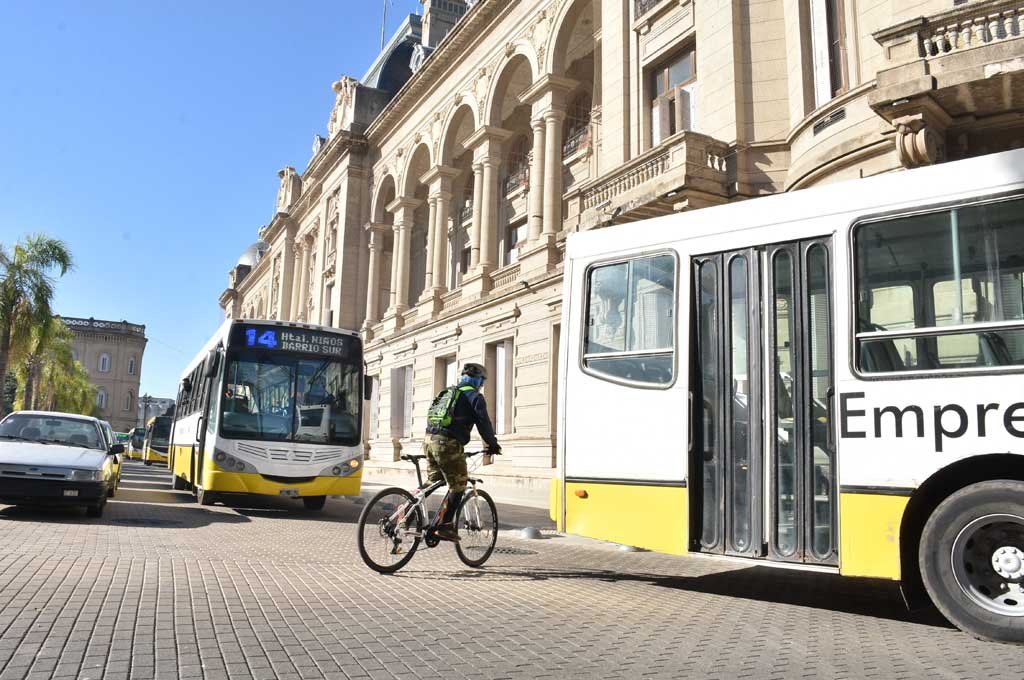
(828, 379)
(271, 408)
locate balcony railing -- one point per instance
(466, 212)
(576, 140)
(644, 6)
(517, 179)
(506, 276)
(628, 177)
(971, 25)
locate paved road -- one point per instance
(163, 588)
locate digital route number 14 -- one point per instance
(266, 339)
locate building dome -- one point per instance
(253, 254)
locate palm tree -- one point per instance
(38, 349)
(26, 286)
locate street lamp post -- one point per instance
(146, 400)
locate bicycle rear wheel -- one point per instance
(477, 521)
(389, 530)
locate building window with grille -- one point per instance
(515, 237)
(104, 363)
(828, 47)
(673, 97)
(129, 401)
(577, 125)
(101, 398)
(401, 402)
(131, 366)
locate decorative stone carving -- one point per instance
(420, 52)
(483, 84)
(344, 97)
(318, 143)
(290, 189)
(918, 142)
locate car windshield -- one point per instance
(161, 430)
(280, 397)
(52, 429)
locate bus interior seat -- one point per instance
(880, 356)
(993, 351)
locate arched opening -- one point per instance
(511, 114)
(419, 164)
(456, 155)
(577, 56)
(104, 363)
(385, 243)
(129, 400)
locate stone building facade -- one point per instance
(111, 352)
(433, 215)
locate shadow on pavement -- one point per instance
(180, 518)
(831, 592)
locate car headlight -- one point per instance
(87, 475)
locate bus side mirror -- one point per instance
(367, 387)
(210, 369)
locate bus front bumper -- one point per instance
(239, 482)
(155, 456)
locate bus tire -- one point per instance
(178, 484)
(971, 557)
(204, 497)
(314, 503)
(147, 462)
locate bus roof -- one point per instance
(945, 182)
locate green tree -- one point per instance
(26, 286)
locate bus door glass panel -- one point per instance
(708, 400)
(729, 398)
(803, 479)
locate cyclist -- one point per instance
(444, 445)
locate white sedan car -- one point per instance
(56, 458)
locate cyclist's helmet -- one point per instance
(474, 371)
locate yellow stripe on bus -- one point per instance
(651, 517)
(869, 530)
(242, 482)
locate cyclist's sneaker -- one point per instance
(396, 549)
(447, 532)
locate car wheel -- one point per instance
(95, 510)
(314, 503)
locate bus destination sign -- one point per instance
(298, 340)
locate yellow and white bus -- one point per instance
(829, 379)
(154, 446)
(271, 408)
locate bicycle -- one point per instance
(393, 524)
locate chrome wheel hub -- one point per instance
(988, 563)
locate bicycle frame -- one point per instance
(423, 492)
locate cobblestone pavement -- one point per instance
(163, 588)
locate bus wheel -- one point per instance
(971, 557)
(147, 462)
(178, 484)
(204, 497)
(314, 502)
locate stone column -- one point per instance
(287, 276)
(296, 276)
(443, 201)
(489, 216)
(301, 307)
(537, 180)
(393, 290)
(553, 174)
(474, 229)
(432, 239)
(403, 210)
(376, 247)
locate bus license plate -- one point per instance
(70, 492)
(290, 493)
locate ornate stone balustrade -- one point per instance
(506, 276)
(967, 26)
(451, 299)
(100, 325)
(688, 166)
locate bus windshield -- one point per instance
(161, 430)
(284, 397)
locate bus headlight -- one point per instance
(336, 470)
(220, 456)
(229, 463)
(354, 463)
(343, 468)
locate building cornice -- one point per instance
(469, 30)
(342, 143)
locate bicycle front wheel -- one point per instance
(477, 521)
(389, 530)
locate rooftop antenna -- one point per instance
(384, 24)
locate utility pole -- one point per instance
(384, 24)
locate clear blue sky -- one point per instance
(148, 136)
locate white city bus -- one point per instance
(829, 379)
(272, 408)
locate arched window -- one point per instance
(101, 398)
(104, 364)
(129, 401)
(518, 164)
(131, 365)
(577, 124)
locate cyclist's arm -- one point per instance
(483, 423)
